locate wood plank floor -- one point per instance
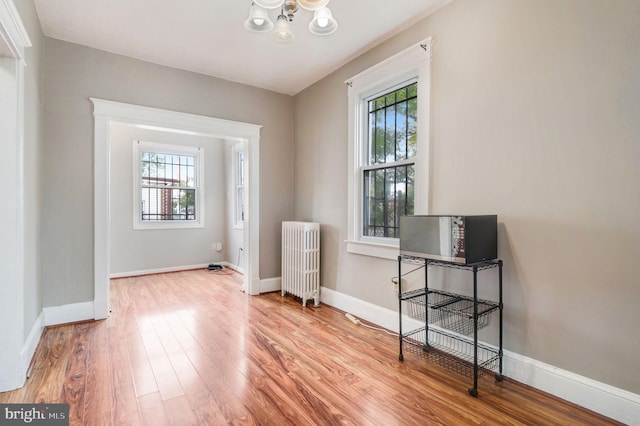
(190, 348)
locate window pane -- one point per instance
(379, 134)
(392, 126)
(167, 187)
(412, 90)
(240, 169)
(401, 130)
(401, 94)
(389, 194)
(391, 98)
(371, 137)
(167, 204)
(389, 201)
(183, 175)
(240, 205)
(412, 138)
(239, 182)
(390, 134)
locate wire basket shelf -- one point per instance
(451, 311)
(451, 351)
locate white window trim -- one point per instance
(138, 148)
(236, 151)
(413, 62)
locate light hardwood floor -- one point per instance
(190, 348)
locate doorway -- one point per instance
(107, 113)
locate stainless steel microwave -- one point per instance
(457, 239)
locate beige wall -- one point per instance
(534, 117)
(74, 73)
(152, 249)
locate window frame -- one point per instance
(373, 166)
(139, 147)
(411, 64)
(239, 179)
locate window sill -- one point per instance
(367, 248)
(166, 225)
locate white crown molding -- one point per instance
(13, 35)
(174, 121)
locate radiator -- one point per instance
(301, 260)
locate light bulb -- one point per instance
(323, 23)
(282, 33)
(258, 19)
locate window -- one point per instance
(239, 165)
(389, 172)
(167, 188)
(388, 149)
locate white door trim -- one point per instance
(13, 356)
(106, 112)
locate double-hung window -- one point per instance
(167, 186)
(388, 149)
(388, 172)
(239, 176)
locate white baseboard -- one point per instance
(270, 284)
(618, 404)
(157, 270)
(602, 398)
(368, 311)
(55, 315)
(31, 344)
(232, 266)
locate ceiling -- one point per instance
(208, 36)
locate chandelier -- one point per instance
(258, 20)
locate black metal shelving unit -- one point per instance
(449, 319)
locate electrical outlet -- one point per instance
(394, 280)
(218, 246)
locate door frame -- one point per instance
(18, 347)
(106, 112)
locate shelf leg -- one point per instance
(426, 346)
(475, 332)
(500, 312)
(400, 355)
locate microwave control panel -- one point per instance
(457, 236)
